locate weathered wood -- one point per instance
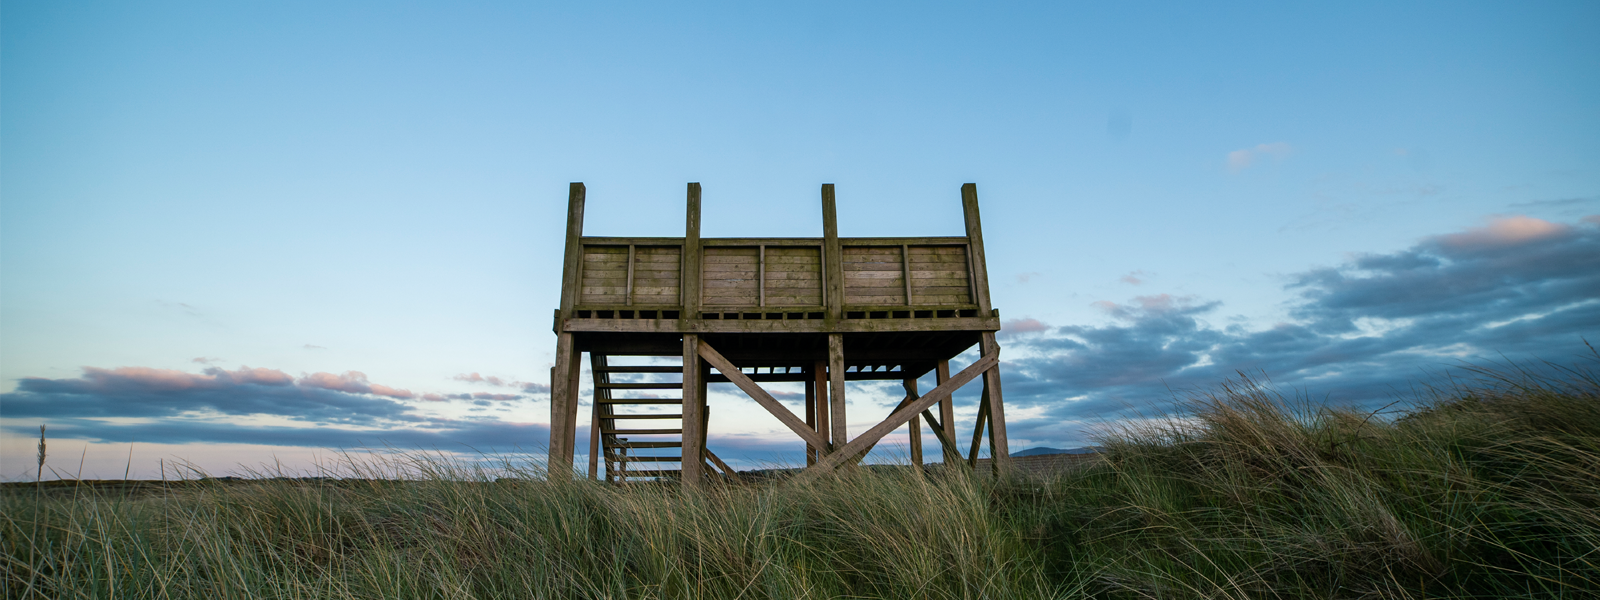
(999, 445)
(562, 394)
(914, 428)
(833, 266)
(978, 426)
(836, 386)
(573, 253)
(898, 418)
(761, 277)
(947, 413)
(690, 290)
(759, 395)
(819, 382)
(952, 455)
(782, 326)
(727, 471)
(597, 363)
(811, 416)
(693, 408)
(630, 273)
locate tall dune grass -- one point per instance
(1488, 489)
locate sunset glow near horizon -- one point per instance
(262, 234)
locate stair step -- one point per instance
(642, 431)
(641, 386)
(652, 473)
(640, 401)
(641, 369)
(616, 458)
(634, 445)
(644, 416)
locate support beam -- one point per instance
(898, 418)
(999, 447)
(819, 382)
(947, 414)
(952, 455)
(978, 426)
(693, 407)
(836, 389)
(759, 395)
(573, 258)
(563, 407)
(597, 367)
(811, 417)
(914, 429)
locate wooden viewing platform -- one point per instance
(821, 311)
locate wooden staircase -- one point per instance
(626, 457)
(621, 422)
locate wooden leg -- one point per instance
(811, 418)
(999, 447)
(947, 411)
(914, 429)
(819, 382)
(836, 388)
(693, 422)
(563, 408)
(978, 426)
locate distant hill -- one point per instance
(1042, 450)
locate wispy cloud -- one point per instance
(1243, 158)
(525, 386)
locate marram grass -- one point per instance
(1489, 489)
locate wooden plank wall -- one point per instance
(777, 276)
(655, 275)
(793, 276)
(729, 277)
(874, 275)
(939, 275)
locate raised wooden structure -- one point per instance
(821, 311)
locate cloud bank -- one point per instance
(1361, 332)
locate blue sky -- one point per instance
(248, 232)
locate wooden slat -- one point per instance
(643, 401)
(640, 386)
(759, 395)
(616, 417)
(646, 432)
(646, 445)
(642, 369)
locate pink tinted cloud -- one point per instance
(353, 382)
(1502, 232)
(1029, 325)
(1241, 159)
(170, 380)
(1134, 278)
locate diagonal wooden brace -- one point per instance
(760, 396)
(898, 418)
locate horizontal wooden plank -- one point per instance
(941, 300)
(780, 326)
(871, 267)
(793, 275)
(865, 275)
(876, 300)
(666, 290)
(941, 289)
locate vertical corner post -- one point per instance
(694, 423)
(563, 377)
(836, 390)
(980, 268)
(690, 280)
(563, 407)
(999, 447)
(833, 259)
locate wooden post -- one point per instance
(999, 448)
(947, 410)
(819, 382)
(563, 407)
(693, 422)
(689, 280)
(833, 263)
(914, 429)
(563, 392)
(811, 417)
(836, 389)
(980, 268)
